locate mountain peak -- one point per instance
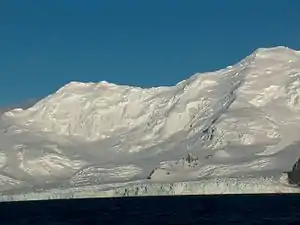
(278, 52)
(88, 128)
(94, 109)
(275, 52)
(76, 85)
(276, 48)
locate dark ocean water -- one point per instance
(226, 209)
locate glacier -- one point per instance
(211, 186)
(234, 130)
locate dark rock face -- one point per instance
(152, 172)
(294, 175)
(186, 162)
(190, 158)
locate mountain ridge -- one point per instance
(104, 129)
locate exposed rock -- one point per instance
(294, 175)
(175, 168)
(151, 173)
(190, 158)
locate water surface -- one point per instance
(219, 209)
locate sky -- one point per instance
(46, 44)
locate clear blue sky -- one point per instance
(47, 43)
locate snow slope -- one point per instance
(241, 121)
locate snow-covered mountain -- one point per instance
(241, 121)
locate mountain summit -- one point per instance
(239, 121)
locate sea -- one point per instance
(180, 210)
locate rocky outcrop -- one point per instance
(190, 158)
(180, 168)
(294, 175)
